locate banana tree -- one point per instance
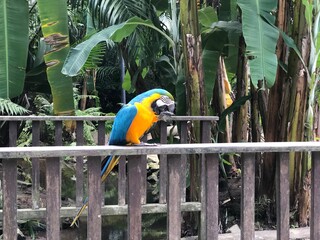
(54, 23)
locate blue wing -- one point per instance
(121, 125)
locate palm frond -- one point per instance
(7, 107)
(144, 43)
(96, 56)
(107, 71)
(111, 12)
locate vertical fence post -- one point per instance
(79, 165)
(143, 185)
(315, 197)
(35, 166)
(184, 157)
(135, 165)
(101, 141)
(122, 184)
(163, 165)
(282, 196)
(53, 187)
(209, 188)
(247, 196)
(174, 198)
(10, 189)
(94, 199)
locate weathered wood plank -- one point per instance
(107, 210)
(79, 166)
(143, 186)
(205, 138)
(134, 197)
(184, 158)
(97, 118)
(282, 196)
(212, 196)
(163, 165)
(315, 197)
(174, 198)
(101, 133)
(247, 196)
(101, 141)
(35, 166)
(53, 189)
(122, 181)
(94, 199)
(53, 198)
(10, 189)
(195, 148)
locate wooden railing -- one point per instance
(172, 181)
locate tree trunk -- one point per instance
(195, 89)
(240, 124)
(275, 127)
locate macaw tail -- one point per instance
(85, 204)
(107, 166)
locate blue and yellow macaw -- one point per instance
(132, 122)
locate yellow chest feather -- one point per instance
(142, 122)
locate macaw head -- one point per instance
(164, 105)
(160, 100)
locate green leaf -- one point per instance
(261, 39)
(234, 106)
(210, 61)
(207, 16)
(165, 71)
(13, 46)
(54, 25)
(232, 26)
(126, 85)
(288, 40)
(308, 11)
(290, 43)
(10, 108)
(228, 10)
(115, 33)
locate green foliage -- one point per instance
(260, 38)
(32, 226)
(54, 26)
(25, 136)
(234, 106)
(9, 108)
(95, 57)
(207, 16)
(115, 33)
(13, 47)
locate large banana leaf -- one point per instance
(53, 16)
(13, 46)
(261, 38)
(115, 33)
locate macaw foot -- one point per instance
(142, 144)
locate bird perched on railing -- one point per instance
(132, 122)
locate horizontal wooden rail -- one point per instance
(107, 210)
(201, 148)
(99, 118)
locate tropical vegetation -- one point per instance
(254, 63)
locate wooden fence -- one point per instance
(172, 200)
